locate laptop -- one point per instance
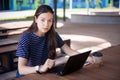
(73, 63)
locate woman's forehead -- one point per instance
(46, 15)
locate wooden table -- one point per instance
(13, 28)
(7, 55)
(14, 25)
(109, 71)
(7, 42)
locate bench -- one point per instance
(10, 32)
(7, 42)
(8, 58)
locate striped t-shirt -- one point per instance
(34, 48)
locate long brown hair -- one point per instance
(51, 34)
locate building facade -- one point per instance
(33, 4)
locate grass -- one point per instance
(17, 19)
(25, 18)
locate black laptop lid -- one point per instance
(75, 62)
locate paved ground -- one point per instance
(85, 37)
(93, 36)
(101, 35)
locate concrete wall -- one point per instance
(103, 19)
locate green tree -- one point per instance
(98, 3)
(37, 3)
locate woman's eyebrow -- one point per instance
(44, 17)
(48, 19)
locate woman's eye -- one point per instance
(42, 20)
(49, 20)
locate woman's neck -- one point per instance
(38, 33)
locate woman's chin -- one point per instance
(44, 31)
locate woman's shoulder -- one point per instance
(57, 34)
(26, 35)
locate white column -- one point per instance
(70, 4)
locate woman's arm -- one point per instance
(69, 50)
(24, 69)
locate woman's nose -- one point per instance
(46, 23)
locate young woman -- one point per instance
(37, 46)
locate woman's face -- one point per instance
(44, 22)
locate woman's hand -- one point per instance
(48, 65)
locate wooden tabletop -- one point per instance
(14, 25)
(110, 70)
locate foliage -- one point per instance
(98, 2)
(37, 3)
